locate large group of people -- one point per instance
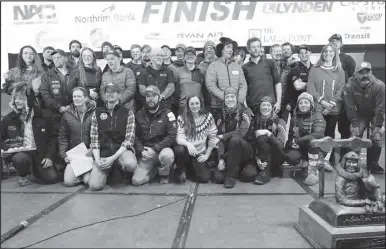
(206, 117)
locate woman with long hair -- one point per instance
(325, 83)
(75, 129)
(28, 67)
(196, 138)
(87, 75)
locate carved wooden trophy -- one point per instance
(355, 216)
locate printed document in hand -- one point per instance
(79, 162)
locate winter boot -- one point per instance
(264, 175)
(229, 182)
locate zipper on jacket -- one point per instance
(229, 77)
(81, 126)
(111, 125)
(149, 123)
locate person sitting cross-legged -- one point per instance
(112, 138)
(156, 130)
(235, 153)
(26, 127)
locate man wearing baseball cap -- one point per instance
(296, 78)
(154, 148)
(122, 76)
(348, 65)
(106, 46)
(53, 89)
(364, 99)
(112, 138)
(189, 78)
(158, 74)
(180, 48)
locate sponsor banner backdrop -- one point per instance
(156, 23)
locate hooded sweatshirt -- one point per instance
(326, 84)
(365, 103)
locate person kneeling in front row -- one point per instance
(156, 129)
(26, 127)
(235, 153)
(112, 138)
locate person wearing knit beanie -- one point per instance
(306, 125)
(268, 138)
(208, 54)
(233, 150)
(27, 139)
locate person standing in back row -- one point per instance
(262, 78)
(224, 73)
(325, 84)
(123, 77)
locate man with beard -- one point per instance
(47, 58)
(167, 55)
(223, 73)
(208, 56)
(145, 52)
(157, 74)
(296, 81)
(106, 46)
(288, 55)
(209, 48)
(364, 98)
(276, 54)
(54, 89)
(136, 65)
(262, 78)
(112, 138)
(75, 47)
(155, 133)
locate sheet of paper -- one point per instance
(79, 162)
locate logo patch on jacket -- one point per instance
(43, 130)
(55, 91)
(138, 73)
(162, 74)
(235, 72)
(171, 116)
(12, 128)
(103, 116)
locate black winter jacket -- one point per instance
(158, 130)
(45, 137)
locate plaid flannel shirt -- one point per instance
(128, 143)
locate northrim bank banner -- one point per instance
(155, 23)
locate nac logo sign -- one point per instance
(34, 14)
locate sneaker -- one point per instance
(164, 179)
(376, 169)
(23, 181)
(327, 166)
(263, 177)
(229, 182)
